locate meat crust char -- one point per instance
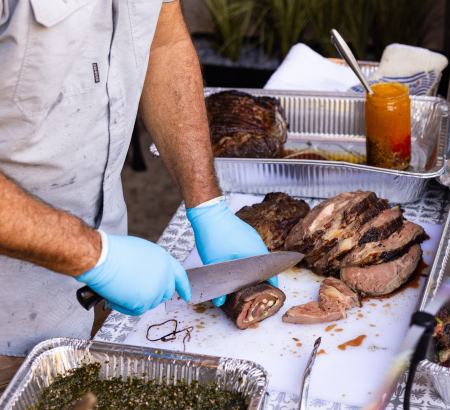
(388, 249)
(253, 304)
(334, 298)
(244, 126)
(359, 238)
(379, 228)
(442, 336)
(274, 217)
(337, 220)
(384, 278)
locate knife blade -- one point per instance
(211, 281)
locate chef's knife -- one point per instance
(211, 281)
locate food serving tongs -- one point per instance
(303, 400)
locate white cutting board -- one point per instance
(349, 376)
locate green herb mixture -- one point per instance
(135, 393)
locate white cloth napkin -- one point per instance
(417, 67)
(304, 69)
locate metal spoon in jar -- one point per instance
(347, 55)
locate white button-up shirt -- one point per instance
(71, 75)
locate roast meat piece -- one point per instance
(274, 217)
(315, 312)
(442, 331)
(336, 219)
(245, 126)
(253, 304)
(383, 225)
(336, 289)
(334, 298)
(383, 278)
(302, 236)
(387, 250)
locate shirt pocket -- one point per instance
(143, 19)
(56, 64)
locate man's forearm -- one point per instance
(33, 231)
(173, 109)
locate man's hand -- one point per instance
(137, 275)
(221, 236)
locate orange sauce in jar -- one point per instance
(388, 126)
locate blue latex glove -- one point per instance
(221, 236)
(137, 275)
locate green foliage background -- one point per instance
(277, 25)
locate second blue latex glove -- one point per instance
(221, 236)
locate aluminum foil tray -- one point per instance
(439, 375)
(55, 356)
(335, 122)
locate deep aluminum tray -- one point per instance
(55, 356)
(335, 122)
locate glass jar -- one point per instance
(388, 126)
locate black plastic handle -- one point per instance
(88, 298)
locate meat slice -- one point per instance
(253, 304)
(274, 217)
(442, 330)
(386, 223)
(314, 312)
(302, 236)
(245, 126)
(383, 225)
(335, 222)
(387, 250)
(336, 289)
(383, 278)
(334, 298)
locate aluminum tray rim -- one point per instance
(434, 368)
(340, 164)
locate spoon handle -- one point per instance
(348, 56)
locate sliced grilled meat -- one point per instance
(442, 331)
(244, 126)
(274, 217)
(387, 250)
(384, 278)
(334, 298)
(336, 289)
(302, 236)
(338, 220)
(315, 312)
(384, 224)
(253, 304)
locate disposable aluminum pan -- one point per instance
(439, 375)
(56, 356)
(335, 123)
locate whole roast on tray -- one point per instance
(245, 126)
(364, 247)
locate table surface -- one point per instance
(178, 239)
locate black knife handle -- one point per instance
(88, 298)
